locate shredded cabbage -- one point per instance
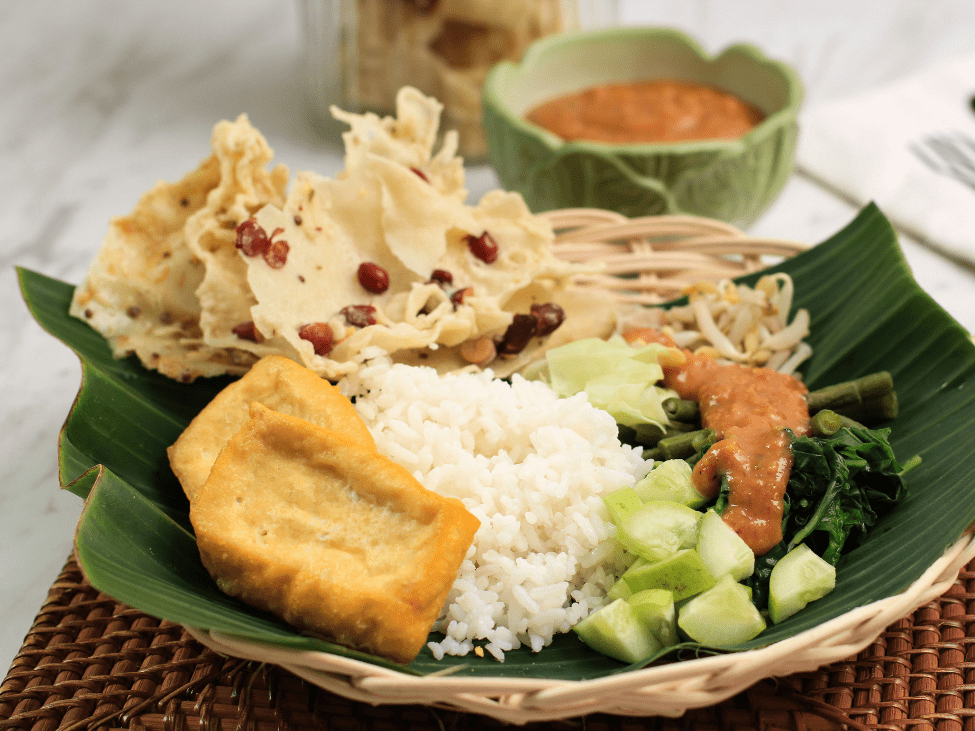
(618, 377)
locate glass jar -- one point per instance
(358, 53)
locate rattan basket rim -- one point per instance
(652, 259)
(145, 674)
(666, 690)
(658, 256)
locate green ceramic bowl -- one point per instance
(731, 180)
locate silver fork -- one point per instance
(950, 153)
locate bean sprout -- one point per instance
(734, 322)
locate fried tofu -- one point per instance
(329, 535)
(278, 383)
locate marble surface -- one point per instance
(101, 98)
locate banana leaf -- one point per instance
(135, 543)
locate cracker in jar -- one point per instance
(329, 535)
(276, 382)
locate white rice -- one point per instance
(532, 468)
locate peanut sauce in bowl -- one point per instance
(651, 123)
(653, 111)
(749, 410)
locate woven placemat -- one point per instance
(89, 662)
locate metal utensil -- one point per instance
(951, 154)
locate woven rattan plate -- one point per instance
(645, 260)
(89, 659)
(90, 662)
(652, 259)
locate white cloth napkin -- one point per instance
(869, 147)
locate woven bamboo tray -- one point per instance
(89, 662)
(88, 655)
(652, 259)
(645, 260)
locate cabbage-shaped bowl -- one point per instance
(733, 180)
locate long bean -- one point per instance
(679, 409)
(851, 395)
(680, 446)
(825, 423)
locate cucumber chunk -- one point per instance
(655, 609)
(799, 577)
(722, 550)
(659, 529)
(615, 630)
(671, 481)
(619, 590)
(684, 574)
(621, 504)
(722, 616)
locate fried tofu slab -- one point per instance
(278, 383)
(329, 535)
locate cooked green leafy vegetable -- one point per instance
(839, 485)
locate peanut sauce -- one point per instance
(647, 111)
(749, 410)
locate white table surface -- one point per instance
(99, 99)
